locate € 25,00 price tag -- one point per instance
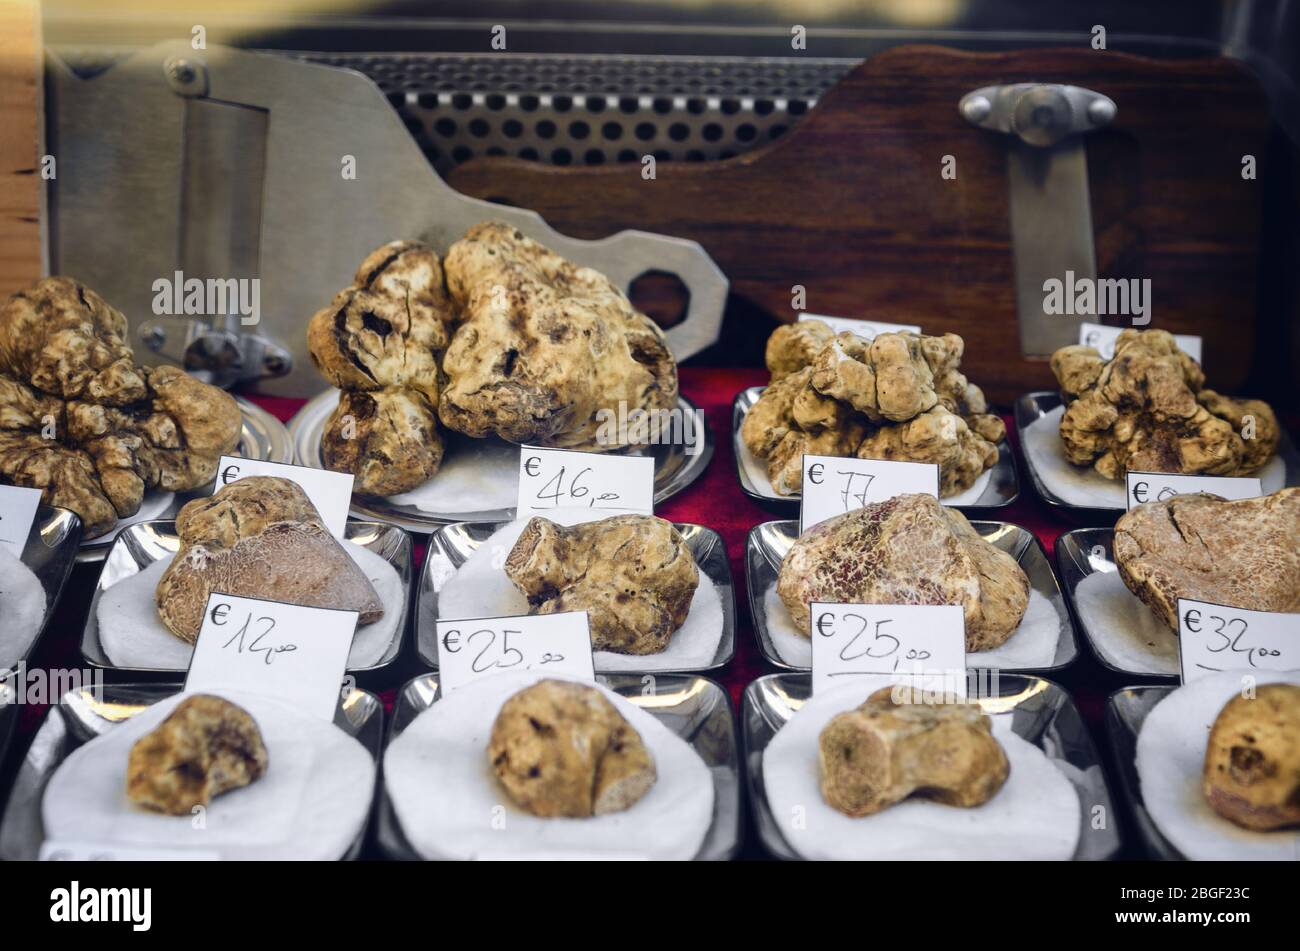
(17, 512)
(922, 645)
(1158, 486)
(833, 486)
(552, 479)
(1214, 637)
(288, 651)
(863, 328)
(479, 647)
(330, 492)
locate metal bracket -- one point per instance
(217, 355)
(1051, 218)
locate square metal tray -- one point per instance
(50, 553)
(451, 545)
(695, 708)
(1042, 714)
(768, 543)
(1126, 711)
(80, 716)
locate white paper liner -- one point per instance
(451, 806)
(1170, 758)
(22, 609)
(1034, 816)
(1122, 629)
(480, 588)
(477, 475)
(1084, 485)
(1031, 646)
(311, 803)
(153, 505)
(132, 634)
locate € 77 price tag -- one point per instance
(1160, 486)
(833, 485)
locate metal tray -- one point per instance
(768, 543)
(695, 708)
(1043, 714)
(1033, 406)
(451, 545)
(80, 716)
(139, 546)
(1126, 711)
(1001, 491)
(261, 436)
(50, 553)
(674, 471)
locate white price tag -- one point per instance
(552, 479)
(17, 512)
(291, 652)
(920, 644)
(1102, 339)
(1215, 637)
(833, 485)
(470, 648)
(56, 851)
(863, 328)
(330, 492)
(1158, 486)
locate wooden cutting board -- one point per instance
(851, 204)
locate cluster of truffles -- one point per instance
(1252, 759)
(900, 397)
(511, 341)
(85, 424)
(1147, 409)
(634, 575)
(908, 549)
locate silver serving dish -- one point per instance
(1002, 489)
(1034, 406)
(139, 546)
(80, 716)
(1126, 711)
(695, 708)
(768, 543)
(1042, 714)
(451, 545)
(674, 470)
(261, 436)
(50, 553)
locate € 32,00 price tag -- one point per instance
(833, 486)
(470, 648)
(1214, 637)
(552, 479)
(330, 492)
(863, 328)
(1144, 487)
(919, 644)
(17, 512)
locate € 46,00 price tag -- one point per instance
(920, 644)
(288, 651)
(330, 492)
(1159, 486)
(1102, 339)
(17, 512)
(863, 328)
(552, 479)
(1213, 637)
(478, 647)
(833, 486)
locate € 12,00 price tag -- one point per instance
(1214, 637)
(919, 644)
(1102, 339)
(552, 479)
(833, 486)
(288, 651)
(17, 512)
(1158, 486)
(863, 328)
(470, 648)
(330, 492)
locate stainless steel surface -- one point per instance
(322, 121)
(261, 436)
(767, 544)
(674, 470)
(81, 715)
(1042, 713)
(694, 708)
(50, 553)
(1002, 490)
(1126, 711)
(451, 545)
(139, 546)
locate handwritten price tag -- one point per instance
(17, 512)
(833, 486)
(863, 328)
(552, 479)
(294, 653)
(1214, 637)
(1159, 486)
(1102, 339)
(921, 644)
(479, 647)
(330, 492)
(55, 851)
